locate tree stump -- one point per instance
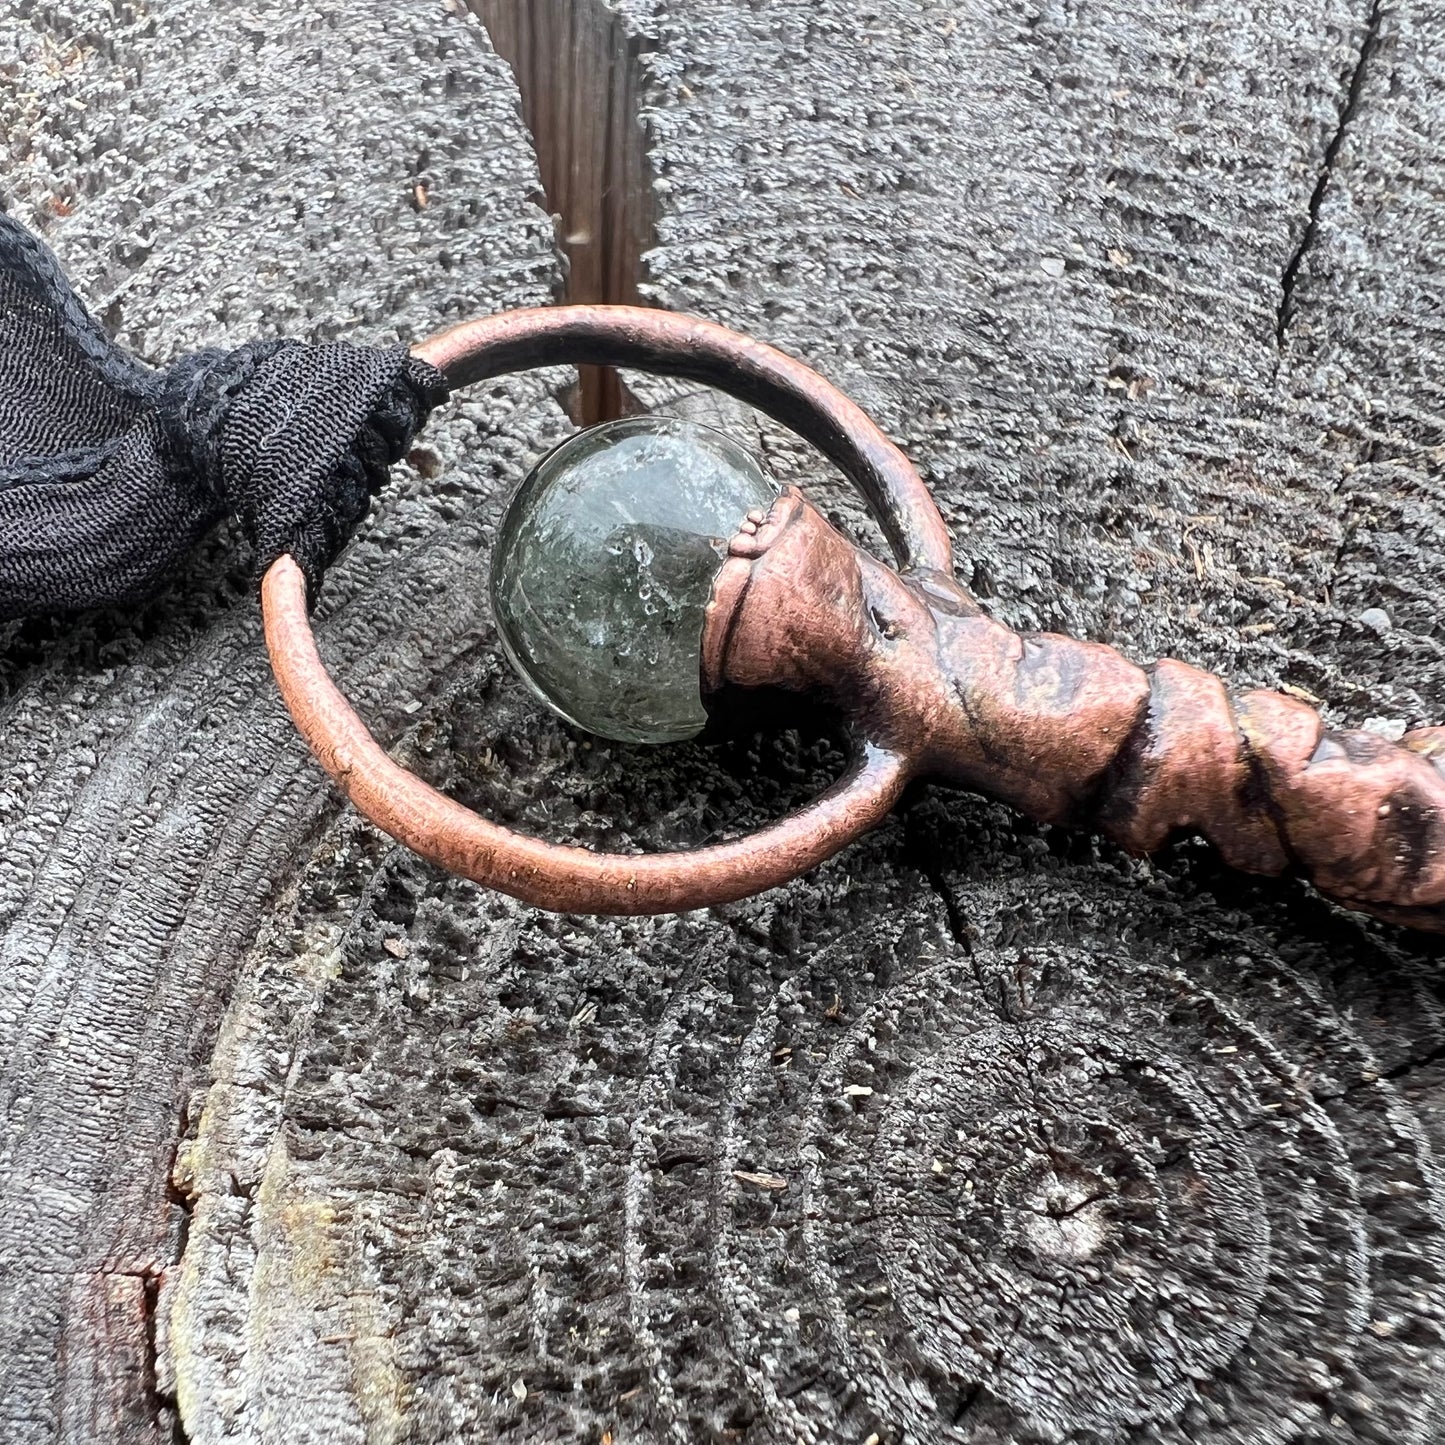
(982, 1132)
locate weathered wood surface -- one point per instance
(980, 1134)
(224, 177)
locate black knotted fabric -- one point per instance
(110, 472)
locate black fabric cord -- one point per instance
(110, 472)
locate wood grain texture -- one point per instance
(203, 183)
(982, 1133)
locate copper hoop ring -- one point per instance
(696, 350)
(569, 879)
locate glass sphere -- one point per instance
(604, 566)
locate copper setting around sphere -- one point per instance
(1066, 731)
(604, 565)
(576, 879)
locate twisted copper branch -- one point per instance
(1072, 732)
(1068, 732)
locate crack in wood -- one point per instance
(1349, 108)
(577, 70)
(163, 1401)
(963, 936)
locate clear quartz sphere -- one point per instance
(604, 566)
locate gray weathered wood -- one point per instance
(222, 179)
(981, 1133)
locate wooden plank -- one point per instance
(205, 182)
(982, 1133)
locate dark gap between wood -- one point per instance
(577, 70)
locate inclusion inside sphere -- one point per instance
(604, 566)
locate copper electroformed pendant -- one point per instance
(1065, 731)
